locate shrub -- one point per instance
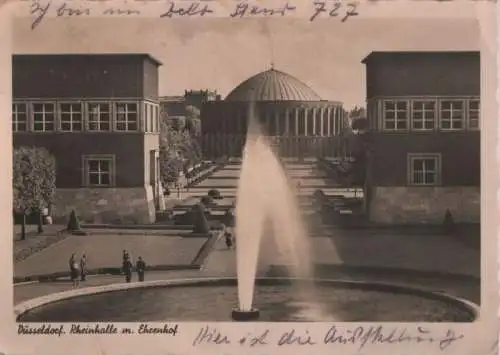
(449, 222)
(319, 194)
(199, 220)
(74, 223)
(215, 194)
(207, 200)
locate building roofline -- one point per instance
(144, 55)
(387, 53)
(172, 98)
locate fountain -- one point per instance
(257, 201)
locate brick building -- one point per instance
(98, 115)
(424, 141)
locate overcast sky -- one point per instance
(220, 53)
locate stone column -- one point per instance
(328, 121)
(322, 121)
(335, 117)
(287, 122)
(306, 121)
(297, 121)
(332, 119)
(314, 127)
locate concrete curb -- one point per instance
(162, 227)
(471, 308)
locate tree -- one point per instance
(359, 125)
(358, 142)
(357, 119)
(179, 150)
(34, 182)
(193, 121)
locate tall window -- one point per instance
(451, 114)
(147, 117)
(98, 170)
(424, 169)
(474, 114)
(126, 117)
(43, 117)
(423, 115)
(99, 117)
(71, 117)
(395, 115)
(156, 118)
(19, 117)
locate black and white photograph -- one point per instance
(309, 169)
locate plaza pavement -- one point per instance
(434, 254)
(104, 251)
(222, 263)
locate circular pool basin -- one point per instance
(277, 299)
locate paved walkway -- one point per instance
(106, 251)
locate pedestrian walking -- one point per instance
(140, 267)
(83, 268)
(73, 267)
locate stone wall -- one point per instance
(105, 205)
(424, 205)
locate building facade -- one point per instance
(297, 119)
(424, 136)
(98, 114)
(177, 108)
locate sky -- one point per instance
(219, 53)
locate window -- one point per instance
(71, 117)
(99, 117)
(452, 114)
(424, 169)
(395, 115)
(126, 117)
(156, 119)
(423, 115)
(19, 117)
(147, 117)
(474, 113)
(98, 170)
(43, 117)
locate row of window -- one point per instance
(423, 170)
(427, 115)
(83, 116)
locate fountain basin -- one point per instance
(245, 316)
(212, 299)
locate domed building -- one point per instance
(298, 120)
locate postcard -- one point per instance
(249, 177)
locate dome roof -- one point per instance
(272, 85)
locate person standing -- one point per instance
(127, 269)
(140, 267)
(73, 267)
(229, 239)
(83, 268)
